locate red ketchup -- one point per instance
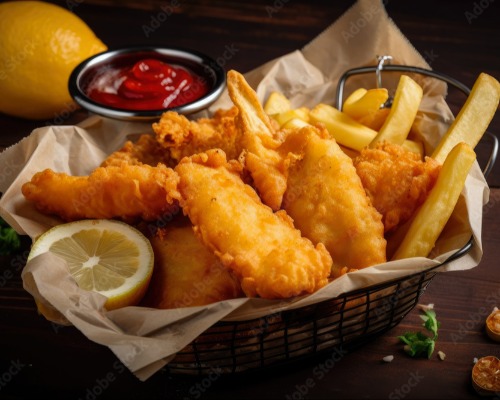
(149, 84)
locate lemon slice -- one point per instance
(493, 325)
(105, 256)
(486, 376)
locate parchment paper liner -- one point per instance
(146, 339)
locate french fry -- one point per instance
(345, 130)
(416, 147)
(277, 103)
(403, 111)
(369, 103)
(295, 123)
(285, 116)
(375, 119)
(474, 117)
(432, 216)
(365, 107)
(354, 97)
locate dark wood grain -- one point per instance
(50, 361)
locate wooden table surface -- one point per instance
(460, 38)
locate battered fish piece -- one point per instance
(328, 204)
(127, 192)
(396, 180)
(267, 166)
(264, 250)
(146, 150)
(186, 273)
(183, 137)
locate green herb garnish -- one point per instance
(9, 239)
(418, 343)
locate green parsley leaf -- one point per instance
(9, 239)
(430, 322)
(418, 343)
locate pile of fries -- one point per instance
(365, 121)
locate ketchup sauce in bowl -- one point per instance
(141, 83)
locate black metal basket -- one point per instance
(340, 323)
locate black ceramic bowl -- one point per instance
(196, 63)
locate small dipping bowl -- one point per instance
(197, 64)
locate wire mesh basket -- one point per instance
(340, 323)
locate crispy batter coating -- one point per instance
(396, 180)
(265, 251)
(186, 273)
(267, 166)
(126, 191)
(145, 150)
(183, 137)
(328, 204)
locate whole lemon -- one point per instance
(40, 44)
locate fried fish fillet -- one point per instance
(267, 166)
(186, 273)
(328, 204)
(396, 180)
(145, 150)
(183, 137)
(263, 249)
(125, 191)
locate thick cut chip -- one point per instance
(370, 102)
(375, 119)
(432, 216)
(403, 111)
(285, 116)
(474, 117)
(366, 107)
(277, 103)
(344, 129)
(295, 123)
(354, 97)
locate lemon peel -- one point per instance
(40, 44)
(106, 256)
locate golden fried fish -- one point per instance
(263, 249)
(126, 191)
(328, 204)
(267, 166)
(396, 180)
(186, 273)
